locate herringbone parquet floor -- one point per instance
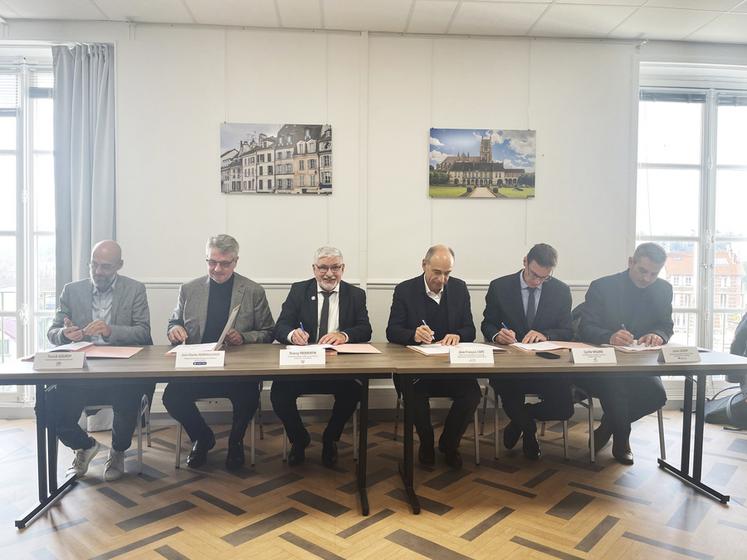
(510, 508)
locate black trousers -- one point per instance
(555, 394)
(465, 395)
(179, 400)
(284, 394)
(65, 403)
(625, 400)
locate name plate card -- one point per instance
(205, 359)
(593, 355)
(302, 356)
(459, 355)
(679, 355)
(59, 360)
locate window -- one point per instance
(27, 220)
(312, 164)
(691, 195)
(300, 165)
(269, 157)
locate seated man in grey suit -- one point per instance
(322, 310)
(201, 313)
(106, 309)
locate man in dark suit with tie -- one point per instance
(530, 306)
(433, 307)
(322, 310)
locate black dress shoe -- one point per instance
(297, 453)
(427, 455)
(453, 458)
(198, 456)
(531, 447)
(621, 451)
(235, 458)
(511, 435)
(329, 453)
(602, 436)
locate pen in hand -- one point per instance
(426, 325)
(504, 326)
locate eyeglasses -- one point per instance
(334, 268)
(105, 267)
(534, 276)
(223, 264)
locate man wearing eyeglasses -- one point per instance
(434, 307)
(106, 309)
(201, 313)
(530, 306)
(321, 310)
(632, 306)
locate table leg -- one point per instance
(44, 467)
(363, 447)
(682, 473)
(407, 468)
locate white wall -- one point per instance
(381, 93)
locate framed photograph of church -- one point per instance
(481, 163)
(275, 158)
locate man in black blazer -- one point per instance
(322, 310)
(530, 306)
(620, 309)
(430, 308)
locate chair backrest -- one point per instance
(576, 316)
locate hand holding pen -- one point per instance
(424, 334)
(505, 335)
(622, 337)
(300, 337)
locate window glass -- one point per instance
(669, 132)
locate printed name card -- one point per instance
(593, 355)
(59, 360)
(461, 355)
(205, 359)
(679, 355)
(302, 356)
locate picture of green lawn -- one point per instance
(441, 191)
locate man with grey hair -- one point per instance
(630, 306)
(322, 310)
(106, 309)
(435, 307)
(201, 313)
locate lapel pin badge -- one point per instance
(313, 298)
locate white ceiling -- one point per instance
(682, 20)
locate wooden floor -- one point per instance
(511, 508)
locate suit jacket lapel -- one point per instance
(87, 305)
(545, 297)
(116, 296)
(237, 293)
(202, 305)
(420, 300)
(309, 310)
(343, 306)
(517, 301)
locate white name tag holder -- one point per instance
(206, 359)
(593, 355)
(459, 355)
(59, 360)
(301, 356)
(679, 355)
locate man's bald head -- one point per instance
(106, 260)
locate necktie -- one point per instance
(324, 317)
(531, 307)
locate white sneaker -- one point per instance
(114, 469)
(83, 459)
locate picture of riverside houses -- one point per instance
(481, 163)
(276, 158)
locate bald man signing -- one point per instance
(435, 308)
(106, 309)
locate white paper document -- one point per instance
(72, 347)
(637, 348)
(440, 349)
(546, 346)
(210, 346)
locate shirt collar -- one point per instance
(524, 285)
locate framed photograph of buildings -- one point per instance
(481, 163)
(276, 158)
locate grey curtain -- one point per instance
(84, 164)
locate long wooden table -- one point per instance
(262, 363)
